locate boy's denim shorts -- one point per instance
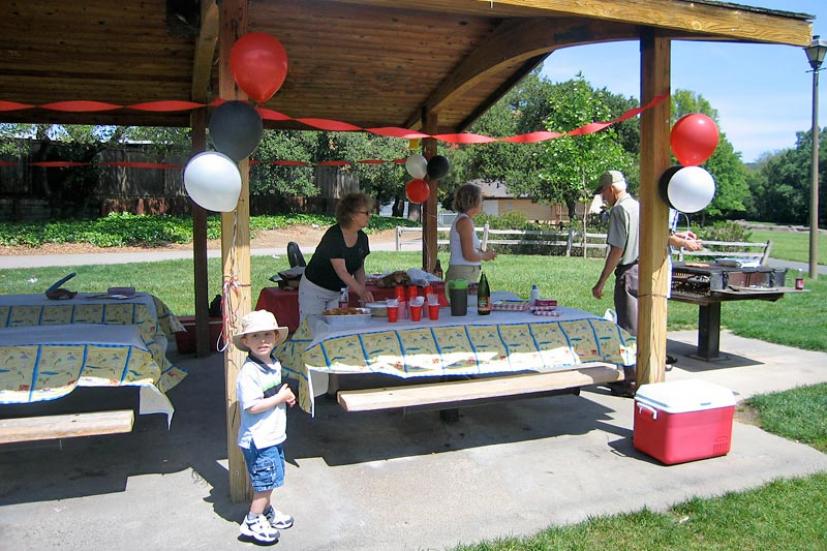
(265, 467)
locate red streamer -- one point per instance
(14, 106)
(82, 106)
(169, 106)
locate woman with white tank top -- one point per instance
(466, 255)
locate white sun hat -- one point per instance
(256, 322)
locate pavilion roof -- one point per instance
(367, 62)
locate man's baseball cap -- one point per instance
(609, 178)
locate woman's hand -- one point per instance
(364, 294)
(488, 255)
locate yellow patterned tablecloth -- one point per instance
(150, 315)
(48, 362)
(500, 343)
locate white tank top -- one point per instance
(456, 245)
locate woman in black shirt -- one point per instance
(339, 260)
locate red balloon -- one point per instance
(694, 138)
(417, 190)
(259, 65)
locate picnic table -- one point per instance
(50, 347)
(502, 343)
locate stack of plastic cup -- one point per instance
(392, 306)
(415, 305)
(433, 306)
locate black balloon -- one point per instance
(236, 128)
(438, 167)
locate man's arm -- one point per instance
(685, 240)
(612, 260)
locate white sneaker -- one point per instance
(259, 529)
(277, 519)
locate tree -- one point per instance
(571, 165)
(725, 165)
(780, 185)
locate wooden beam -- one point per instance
(204, 51)
(700, 18)
(470, 390)
(655, 77)
(235, 249)
(198, 122)
(429, 221)
(516, 41)
(50, 427)
(205, 45)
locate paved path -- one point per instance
(822, 270)
(40, 261)
(390, 481)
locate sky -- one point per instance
(762, 92)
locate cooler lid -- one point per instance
(683, 396)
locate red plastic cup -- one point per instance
(433, 311)
(393, 314)
(416, 313)
(400, 293)
(413, 292)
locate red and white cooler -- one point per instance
(683, 421)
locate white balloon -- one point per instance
(213, 181)
(691, 189)
(417, 166)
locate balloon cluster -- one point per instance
(690, 188)
(417, 190)
(258, 63)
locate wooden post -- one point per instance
(235, 248)
(201, 70)
(654, 213)
(198, 121)
(429, 222)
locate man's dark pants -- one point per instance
(625, 296)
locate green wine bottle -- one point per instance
(483, 296)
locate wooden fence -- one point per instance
(570, 241)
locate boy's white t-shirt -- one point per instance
(256, 381)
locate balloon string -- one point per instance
(231, 291)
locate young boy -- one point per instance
(262, 400)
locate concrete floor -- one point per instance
(388, 480)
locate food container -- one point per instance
(346, 317)
(378, 309)
(683, 421)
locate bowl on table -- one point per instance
(346, 317)
(378, 309)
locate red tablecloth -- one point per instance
(284, 303)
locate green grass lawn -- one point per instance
(796, 320)
(793, 246)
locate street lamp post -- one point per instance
(815, 55)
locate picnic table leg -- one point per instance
(709, 331)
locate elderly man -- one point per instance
(624, 222)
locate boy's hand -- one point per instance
(286, 395)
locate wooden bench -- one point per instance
(475, 391)
(50, 427)
(757, 251)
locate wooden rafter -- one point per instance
(516, 41)
(746, 24)
(204, 50)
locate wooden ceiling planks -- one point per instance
(367, 62)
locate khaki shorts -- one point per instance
(471, 274)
